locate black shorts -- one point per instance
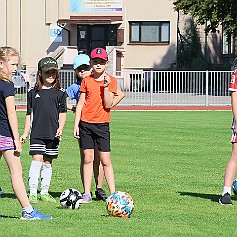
(46, 147)
(94, 134)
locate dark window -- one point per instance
(149, 32)
(112, 35)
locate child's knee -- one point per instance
(88, 160)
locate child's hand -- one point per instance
(76, 132)
(106, 80)
(18, 146)
(23, 138)
(59, 133)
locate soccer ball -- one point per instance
(234, 186)
(120, 204)
(71, 198)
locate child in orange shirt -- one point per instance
(92, 119)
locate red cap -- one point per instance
(99, 53)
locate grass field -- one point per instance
(172, 163)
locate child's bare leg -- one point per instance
(81, 166)
(98, 170)
(231, 167)
(14, 165)
(88, 169)
(108, 170)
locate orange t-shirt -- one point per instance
(93, 110)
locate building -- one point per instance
(138, 35)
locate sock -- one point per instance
(46, 176)
(28, 209)
(34, 174)
(226, 190)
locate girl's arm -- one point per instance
(12, 117)
(26, 128)
(62, 121)
(78, 114)
(118, 97)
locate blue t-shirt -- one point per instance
(6, 89)
(73, 91)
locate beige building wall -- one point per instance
(150, 55)
(3, 20)
(25, 25)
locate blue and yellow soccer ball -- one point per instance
(120, 204)
(234, 186)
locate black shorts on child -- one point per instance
(46, 147)
(92, 134)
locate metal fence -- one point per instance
(160, 88)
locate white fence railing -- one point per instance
(160, 88)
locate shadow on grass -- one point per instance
(2, 217)
(212, 197)
(8, 195)
(13, 196)
(55, 194)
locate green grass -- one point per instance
(172, 163)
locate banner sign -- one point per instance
(95, 5)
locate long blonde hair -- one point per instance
(5, 55)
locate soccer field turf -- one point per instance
(171, 162)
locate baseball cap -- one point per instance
(48, 63)
(99, 53)
(81, 59)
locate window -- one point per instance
(149, 32)
(228, 43)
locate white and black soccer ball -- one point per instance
(120, 204)
(71, 198)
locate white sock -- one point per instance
(34, 175)
(226, 190)
(28, 209)
(46, 176)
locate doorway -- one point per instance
(96, 36)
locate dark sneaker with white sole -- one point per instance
(225, 199)
(100, 194)
(1, 192)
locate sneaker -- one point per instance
(225, 199)
(86, 198)
(47, 198)
(34, 215)
(100, 194)
(33, 199)
(1, 192)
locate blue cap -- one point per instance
(81, 59)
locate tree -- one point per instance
(211, 13)
(189, 53)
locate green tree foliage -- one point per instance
(212, 13)
(189, 47)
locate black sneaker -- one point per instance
(225, 199)
(100, 194)
(1, 191)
